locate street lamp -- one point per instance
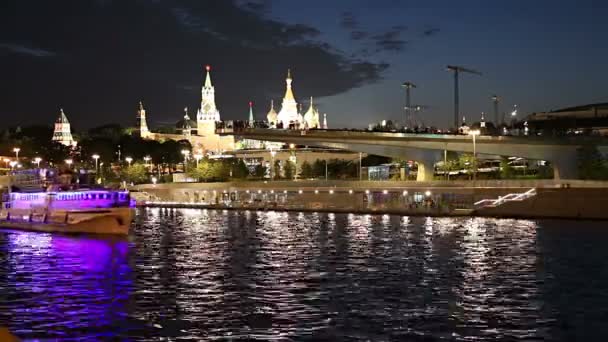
(147, 160)
(272, 171)
(129, 160)
(96, 158)
(69, 162)
(198, 157)
(37, 160)
(16, 150)
(474, 133)
(295, 160)
(186, 153)
(12, 164)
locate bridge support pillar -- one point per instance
(565, 167)
(426, 168)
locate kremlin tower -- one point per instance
(63, 132)
(142, 125)
(208, 114)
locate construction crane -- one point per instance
(457, 70)
(414, 120)
(408, 107)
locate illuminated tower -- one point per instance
(208, 114)
(272, 116)
(250, 123)
(63, 132)
(289, 108)
(311, 118)
(142, 125)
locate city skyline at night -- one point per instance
(98, 59)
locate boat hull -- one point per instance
(114, 221)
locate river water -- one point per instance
(229, 275)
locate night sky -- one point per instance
(97, 59)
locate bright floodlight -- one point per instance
(474, 132)
(95, 156)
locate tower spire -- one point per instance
(208, 78)
(288, 91)
(250, 114)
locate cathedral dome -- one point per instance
(311, 118)
(272, 115)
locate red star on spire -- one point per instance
(208, 67)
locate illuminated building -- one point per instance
(63, 132)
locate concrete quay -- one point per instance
(564, 199)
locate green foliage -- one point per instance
(306, 170)
(218, 170)
(289, 170)
(239, 169)
(259, 171)
(591, 164)
(318, 169)
(506, 170)
(136, 173)
(53, 152)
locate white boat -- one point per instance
(73, 211)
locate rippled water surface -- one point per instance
(227, 275)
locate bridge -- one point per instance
(427, 149)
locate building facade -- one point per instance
(200, 133)
(63, 132)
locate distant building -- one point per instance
(289, 108)
(200, 132)
(587, 119)
(63, 132)
(290, 115)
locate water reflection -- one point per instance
(205, 274)
(50, 281)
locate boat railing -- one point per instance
(513, 197)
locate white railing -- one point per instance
(504, 199)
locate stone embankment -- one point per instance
(564, 199)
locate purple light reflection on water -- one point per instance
(64, 284)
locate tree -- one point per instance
(239, 169)
(466, 161)
(259, 171)
(318, 169)
(590, 163)
(55, 152)
(289, 169)
(506, 170)
(136, 173)
(276, 170)
(306, 170)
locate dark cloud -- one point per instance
(430, 32)
(358, 35)
(390, 40)
(259, 6)
(348, 21)
(115, 53)
(25, 50)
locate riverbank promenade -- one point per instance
(514, 198)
